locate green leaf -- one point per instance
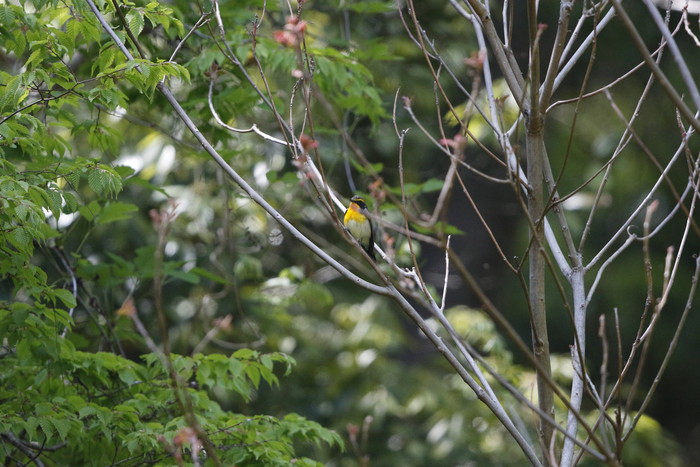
(7, 16)
(21, 239)
(19, 44)
(432, 184)
(66, 297)
(128, 375)
(242, 387)
(96, 180)
(36, 56)
(103, 179)
(47, 426)
(90, 211)
(87, 411)
(124, 171)
(372, 7)
(62, 427)
(267, 361)
(136, 78)
(183, 275)
(439, 227)
(156, 74)
(448, 228)
(73, 29)
(134, 19)
(41, 376)
(91, 30)
(132, 445)
(30, 426)
(209, 275)
(73, 179)
(54, 202)
(253, 374)
(245, 354)
(146, 184)
(71, 203)
(116, 211)
(22, 212)
(13, 92)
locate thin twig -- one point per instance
(666, 85)
(687, 76)
(642, 205)
(671, 349)
(22, 446)
(447, 275)
(253, 129)
(557, 53)
(444, 149)
(503, 56)
(485, 224)
(200, 22)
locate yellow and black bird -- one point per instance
(357, 221)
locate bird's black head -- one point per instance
(360, 201)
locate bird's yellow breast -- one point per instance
(358, 224)
(353, 214)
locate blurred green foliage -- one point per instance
(92, 156)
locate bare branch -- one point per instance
(253, 129)
(557, 53)
(671, 349)
(200, 22)
(675, 53)
(660, 75)
(642, 205)
(447, 274)
(504, 56)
